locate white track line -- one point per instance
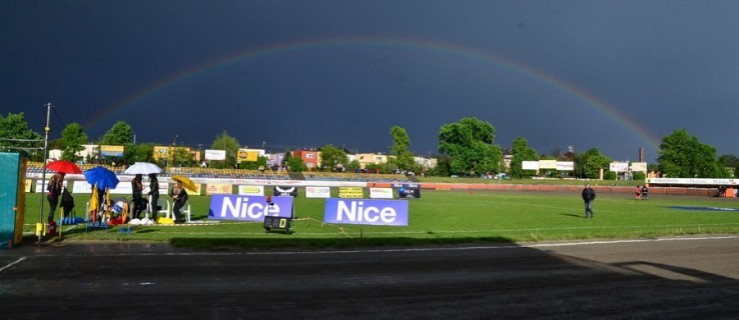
(12, 263)
(425, 249)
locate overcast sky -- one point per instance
(612, 75)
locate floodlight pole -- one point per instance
(43, 174)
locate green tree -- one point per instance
(333, 158)
(142, 152)
(228, 143)
(286, 158)
(683, 156)
(399, 149)
(731, 163)
(469, 144)
(591, 162)
(254, 165)
(353, 166)
(443, 167)
(522, 152)
(182, 156)
(16, 136)
(118, 135)
(72, 140)
(295, 164)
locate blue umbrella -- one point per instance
(104, 178)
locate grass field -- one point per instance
(440, 217)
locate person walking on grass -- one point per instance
(588, 195)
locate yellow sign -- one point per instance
(111, 151)
(245, 155)
(218, 188)
(351, 192)
(167, 153)
(161, 152)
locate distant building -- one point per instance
(425, 163)
(311, 158)
(365, 159)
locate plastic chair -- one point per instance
(185, 210)
(166, 208)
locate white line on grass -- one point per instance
(472, 231)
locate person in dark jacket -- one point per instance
(54, 188)
(644, 192)
(588, 195)
(138, 203)
(153, 195)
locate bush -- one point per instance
(639, 175)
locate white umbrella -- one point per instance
(143, 168)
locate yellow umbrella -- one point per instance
(186, 183)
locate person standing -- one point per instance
(644, 192)
(153, 195)
(138, 187)
(637, 193)
(588, 195)
(54, 188)
(180, 198)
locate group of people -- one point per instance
(179, 195)
(641, 193)
(588, 195)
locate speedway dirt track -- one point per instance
(630, 279)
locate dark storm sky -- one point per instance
(615, 75)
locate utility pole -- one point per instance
(47, 128)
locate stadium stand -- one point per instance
(212, 173)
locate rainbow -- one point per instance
(452, 51)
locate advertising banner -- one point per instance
(408, 190)
(248, 208)
(639, 166)
(530, 165)
(251, 190)
(246, 155)
(366, 212)
(547, 164)
(381, 193)
(565, 166)
(123, 187)
(111, 151)
(42, 188)
(694, 181)
(290, 191)
(351, 192)
(160, 152)
(318, 192)
(619, 166)
(218, 188)
(211, 154)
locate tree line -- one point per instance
(466, 148)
